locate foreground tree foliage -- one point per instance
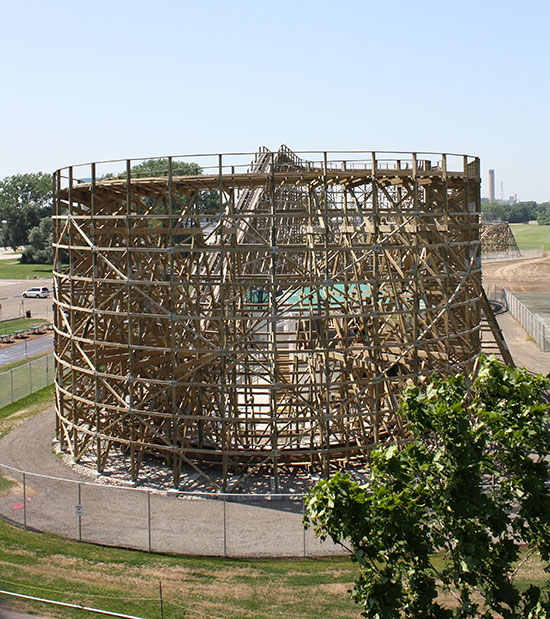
(457, 509)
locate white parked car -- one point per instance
(39, 292)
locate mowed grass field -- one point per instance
(11, 269)
(529, 236)
(128, 581)
(20, 324)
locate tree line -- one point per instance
(26, 208)
(25, 215)
(26, 202)
(521, 212)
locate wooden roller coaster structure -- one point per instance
(497, 239)
(260, 317)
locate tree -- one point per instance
(159, 167)
(543, 217)
(40, 249)
(207, 200)
(450, 510)
(494, 211)
(24, 200)
(522, 212)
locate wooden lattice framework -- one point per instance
(272, 326)
(497, 239)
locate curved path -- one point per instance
(119, 516)
(531, 275)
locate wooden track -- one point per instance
(498, 238)
(275, 326)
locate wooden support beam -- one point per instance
(263, 317)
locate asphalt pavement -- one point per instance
(13, 305)
(28, 348)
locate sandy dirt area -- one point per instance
(519, 275)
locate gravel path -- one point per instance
(119, 516)
(165, 522)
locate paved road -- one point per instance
(28, 348)
(12, 304)
(524, 351)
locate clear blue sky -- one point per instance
(92, 80)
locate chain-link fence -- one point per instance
(223, 525)
(25, 379)
(498, 256)
(532, 323)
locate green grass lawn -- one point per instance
(529, 236)
(127, 581)
(11, 269)
(19, 324)
(34, 403)
(18, 382)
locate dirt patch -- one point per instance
(337, 588)
(16, 419)
(519, 275)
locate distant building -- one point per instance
(491, 185)
(492, 198)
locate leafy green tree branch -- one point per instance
(454, 509)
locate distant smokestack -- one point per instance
(492, 185)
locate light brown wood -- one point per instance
(276, 327)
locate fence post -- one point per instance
(11, 380)
(30, 377)
(79, 510)
(224, 530)
(24, 502)
(149, 520)
(303, 527)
